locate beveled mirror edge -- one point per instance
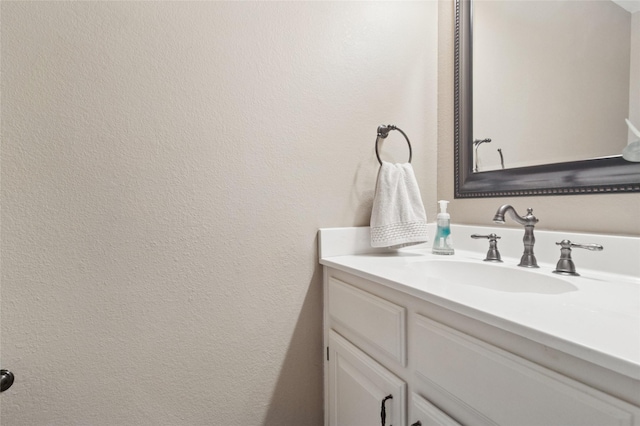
(595, 176)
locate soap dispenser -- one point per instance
(442, 243)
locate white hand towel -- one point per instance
(398, 218)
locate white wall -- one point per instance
(165, 167)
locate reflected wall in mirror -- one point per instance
(551, 81)
(544, 81)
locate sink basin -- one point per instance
(495, 276)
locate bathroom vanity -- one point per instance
(417, 339)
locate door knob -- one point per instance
(6, 380)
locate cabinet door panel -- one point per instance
(505, 388)
(428, 414)
(376, 321)
(357, 386)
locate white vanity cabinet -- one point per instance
(361, 389)
(497, 387)
(443, 368)
(366, 360)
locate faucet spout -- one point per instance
(529, 221)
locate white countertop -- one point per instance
(595, 317)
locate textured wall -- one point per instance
(165, 167)
(607, 213)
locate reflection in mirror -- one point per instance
(632, 151)
(551, 80)
(545, 81)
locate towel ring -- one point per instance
(383, 132)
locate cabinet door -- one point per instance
(502, 388)
(359, 387)
(424, 413)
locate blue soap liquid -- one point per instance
(443, 243)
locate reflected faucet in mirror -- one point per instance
(476, 144)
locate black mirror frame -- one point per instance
(601, 175)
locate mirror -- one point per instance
(547, 73)
(573, 172)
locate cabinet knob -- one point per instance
(418, 423)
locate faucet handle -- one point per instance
(568, 244)
(493, 255)
(490, 236)
(565, 265)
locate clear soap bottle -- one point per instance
(442, 243)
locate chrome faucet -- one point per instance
(529, 221)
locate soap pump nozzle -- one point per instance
(443, 207)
